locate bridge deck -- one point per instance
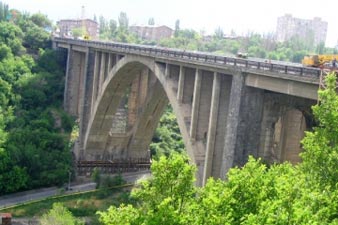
(246, 65)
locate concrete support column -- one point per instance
(95, 79)
(110, 63)
(180, 85)
(80, 90)
(113, 60)
(87, 100)
(67, 80)
(232, 124)
(74, 78)
(195, 104)
(133, 99)
(212, 127)
(167, 70)
(102, 71)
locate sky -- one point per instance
(241, 16)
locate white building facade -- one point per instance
(314, 30)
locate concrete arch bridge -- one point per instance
(227, 108)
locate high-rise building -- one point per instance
(312, 31)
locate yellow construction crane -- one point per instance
(323, 61)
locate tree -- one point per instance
(59, 215)
(36, 38)
(151, 21)
(78, 32)
(123, 21)
(96, 177)
(167, 137)
(320, 47)
(164, 197)
(4, 12)
(33, 151)
(219, 33)
(320, 154)
(41, 20)
(12, 177)
(9, 31)
(112, 28)
(102, 25)
(177, 28)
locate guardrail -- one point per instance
(116, 166)
(197, 56)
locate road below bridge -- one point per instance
(43, 193)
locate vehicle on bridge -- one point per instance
(243, 55)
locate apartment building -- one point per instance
(314, 30)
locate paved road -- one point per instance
(38, 194)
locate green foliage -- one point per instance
(114, 181)
(34, 152)
(112, 27)
(59, 215)
(123, 21)
(36, 38)
(177, 28)
(5, 52)
(109, 30)
(41, 20)
(43, 153)
(78, 32)
(321, 146)
(12, 177)
(79, 204)
(167, 137)
(255, 45)
(96, 177)
(164, 197)
(5, 93)
(187, 39)
(9, 31)
(219, 33)
(106, 182)
(125, 214)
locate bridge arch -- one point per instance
(158, 92)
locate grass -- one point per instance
(81, 205)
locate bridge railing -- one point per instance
(198, 56)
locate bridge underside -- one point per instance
(223, 117)
(127, 116)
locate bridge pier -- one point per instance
(74, 81)
(180, 85)
(232, 123)
(195, 105)
(212, 127)
(87, 100)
